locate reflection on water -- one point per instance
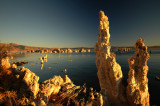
(42, 62)
(42, 59)
(41, 66)
(81, 68)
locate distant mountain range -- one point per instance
(13, 47)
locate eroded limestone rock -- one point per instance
(67, 83)
(137, 89)
(27, 83)
(50, 88)
(5, 63)
(109, 71)
(41, 103)
(14, 66)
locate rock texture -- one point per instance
(27, 83)
(110, 74)
(50, 88)
(5, 63)
(109, 71)
(137, 89)
(61, 90)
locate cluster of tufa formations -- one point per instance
(68, 50)
(110, 73)
(20, 86)
(137, 89)
(14, 48)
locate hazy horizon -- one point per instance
(69, 24)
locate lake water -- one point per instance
(81, 68)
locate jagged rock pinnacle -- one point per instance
(109, 71)
(137, 89)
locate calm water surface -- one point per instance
(82, 69)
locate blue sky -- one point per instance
(74, 23)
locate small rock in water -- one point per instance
(45, 57)
(41, 66)
(40, 58)
(14, 66)
(65, 70)
(157, 78)
(49, 67)
(41, 61)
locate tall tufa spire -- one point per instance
(109, 71)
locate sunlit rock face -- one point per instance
(137, 89)
(67, 83)
(50, 88)
(27, 83)
(109, 71)
(5, 63)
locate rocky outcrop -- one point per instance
(88, 50)
(5, 63)
(110, 74)
(137, 89)
(61, 90)
(23, 81)
(109, 71)
(82, 50)
(6, 76)
(55, 91)
(67, 84)
(50, 88)
(27, 82)
(69, 50)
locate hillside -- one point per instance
(13, 47)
